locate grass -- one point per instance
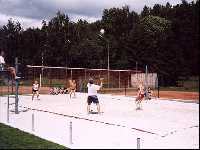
(12, 138)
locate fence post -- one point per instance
(70, 133)
(158, 87)
(146, 83)
(33, 121)
(40, 80)
(138, 143)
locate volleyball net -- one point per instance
(112, 79)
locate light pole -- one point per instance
(67, 42)
(42, 69)
(44, 50)
(102, 31)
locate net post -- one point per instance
(17, 87)
(8, 103)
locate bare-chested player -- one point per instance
(72, 87)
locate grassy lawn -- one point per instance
(12, 138)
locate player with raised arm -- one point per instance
(140, 96)
(92, 94)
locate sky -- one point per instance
(30, 13)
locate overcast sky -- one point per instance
(30, 13)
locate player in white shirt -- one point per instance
(2, 61)
(35, 90)
(92, 95)
(3, 66)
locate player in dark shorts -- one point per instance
(92, 99)
(92, 95)
(35, 90)
(150, 92)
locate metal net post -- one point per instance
(17, 87)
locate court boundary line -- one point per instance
(107, 123)
(92, 120)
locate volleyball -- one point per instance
(102, 31)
